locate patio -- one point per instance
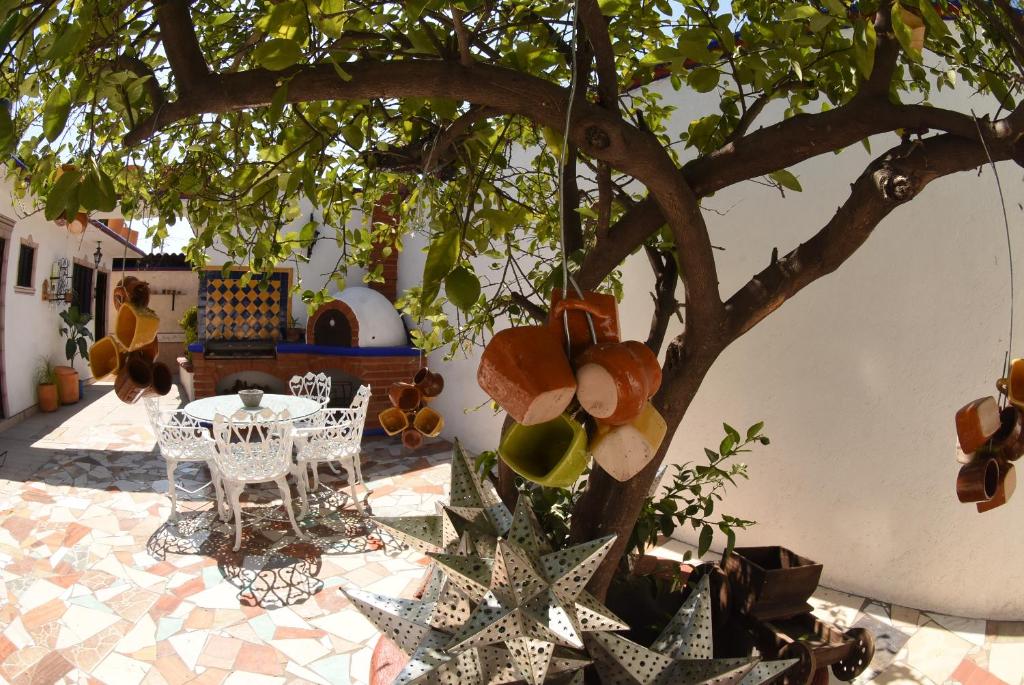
(99, 587)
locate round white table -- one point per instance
(205, 409)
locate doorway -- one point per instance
(100, 319)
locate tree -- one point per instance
(244, 108)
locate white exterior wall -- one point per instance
(31, 325)
(857, 379)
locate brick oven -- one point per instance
(357, 338)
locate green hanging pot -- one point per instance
(552, 454)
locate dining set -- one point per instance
(252, 437)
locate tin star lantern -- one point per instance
(682, 654)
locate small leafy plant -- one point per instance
(693, 493)
(44, 373)
(189, 323)
(75, 330)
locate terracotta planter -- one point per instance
(405, 396)
(623, 451)
(163, 380)
(67, 384)
(1004, 491)
(393, 420)
(976, 422)
(429, 422)
(1008, 441)
(133, 379)
(978, 481)
(131, 290)
(615, 380)
(78, 225)
(526, 372)
(47, 394)
(135, 327)
(412, 438)
(553, 454)
(603, 311)
(151, 350)
(770, 582)
(915, 23)
(104, 357)
(429, 384)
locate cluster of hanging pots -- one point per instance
(409, 413)
(129, 354)
(991, 438)
(546, 376)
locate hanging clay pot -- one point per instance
(162, 379)
(135, 327)
(1013, 385)
(104, 358)
(525, 371)
(1008, 442)
(151, 350)
(915, 23)
(623, 451)
(1004, 491)
(603, 311)
(552, 454)
(429, 422)
(393, 420)
(976, 422)
(405, 396)
(615, 380)
(429, 384)
(133, 379)
(132, 290)
(412, 438)
(977, 481)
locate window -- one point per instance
(26, 264)
(81, 288)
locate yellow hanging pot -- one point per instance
(135, 327)
(104, 357)
(553, 453)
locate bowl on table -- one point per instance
(251, 398)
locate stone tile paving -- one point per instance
(98, 586)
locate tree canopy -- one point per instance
(455, 111)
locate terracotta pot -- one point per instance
(131, 290)
(104, 357)
(1008, 441)
(78, 225)
(393, 420)
(135, 327)
(430, 384)
(526, 372)
(615, 380)
(553, 454)
(915, 23)
(623, 451)
(163, 380)
(429, 422)
(405, 396)
(1004, 491)
(151, 350)
(978, 481)
(133, 379)
(412, 438)
(47, 394)
(67, 384)
(1013, 385)
(603, 311)
(976, 422)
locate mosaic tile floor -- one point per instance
(97, 585)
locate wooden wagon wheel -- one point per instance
(801, 673)
(858, 660)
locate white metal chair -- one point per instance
(254, 447)
(182, 438)
(315, 386)
(337, 439)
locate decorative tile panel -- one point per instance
(232, 310)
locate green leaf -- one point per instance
(786, 179)
(462, 288)
(66, 43)
(931, 18)
(8, 136)
(277, 54)
(797, 12)
(277, 104)
(55, 112)
(704, 542)
(904, 33)
(755, 430)
(61, 193)
(441, 257)
(70, 349)
(703, 79)
(864, 41)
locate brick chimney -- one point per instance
(389, 263)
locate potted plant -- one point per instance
(46, 385)
(189, 323)
(75, 329)
(295, 333)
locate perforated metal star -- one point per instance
(682, 654)
(473, 507)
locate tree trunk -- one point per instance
(612, 507)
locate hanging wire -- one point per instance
(567, 279)
(1009, 243)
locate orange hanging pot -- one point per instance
(615, 380)
(573, 311)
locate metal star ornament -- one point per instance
(682, 654)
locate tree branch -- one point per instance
(665, 304)
(596, 27)
(462, 35)
(532, 308)
(140, 68)
(178, 36)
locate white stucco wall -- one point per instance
(857, 379)
(31, 325)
